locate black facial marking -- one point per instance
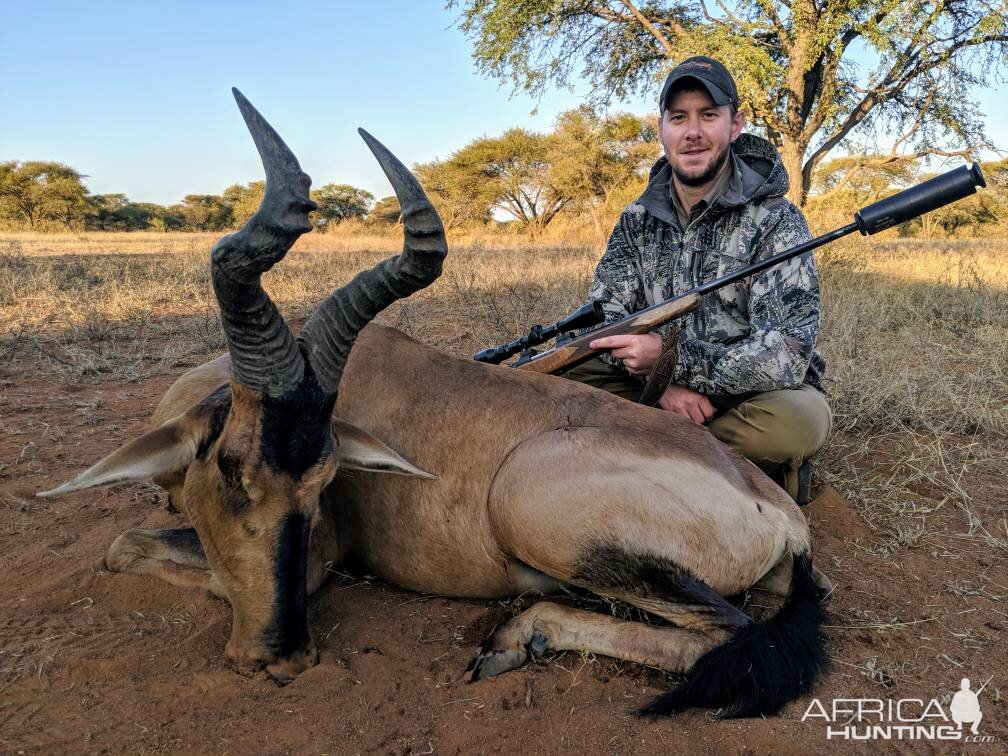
(288, 628)
(216, 407)
(296, 431)
(606, 566)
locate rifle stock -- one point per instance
(576, 351)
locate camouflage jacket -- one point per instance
(756, 335)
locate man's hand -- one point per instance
(687, 403)
(639, 353)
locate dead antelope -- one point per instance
(534, 483)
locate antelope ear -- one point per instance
(359, 450)
(168, 448)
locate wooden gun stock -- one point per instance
(576, 351)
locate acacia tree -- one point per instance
(244, 200)
(864, 178)
(102, 209)
(591, 157)
(386, 212)
(338, 202)
(206, 212)
(793, 61)
(458, 189)
(516, 167)
(37, 191)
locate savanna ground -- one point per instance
(911, 523)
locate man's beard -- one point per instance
(712, 170)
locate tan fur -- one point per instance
(530, 471)
(570, 629)
(191, 388)
(530, 468)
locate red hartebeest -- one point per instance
(503, 482)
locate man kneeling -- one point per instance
(744, 363)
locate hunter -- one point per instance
(744, 364)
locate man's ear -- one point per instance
(738, 123)
(359, 450)
(170, 447)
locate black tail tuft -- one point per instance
(764, 665)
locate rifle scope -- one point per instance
(586, 316)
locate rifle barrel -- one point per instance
(899, 208)
(769, 262)
(903, 206)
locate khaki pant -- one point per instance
(777, 430)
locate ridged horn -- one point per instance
(333, 327)
(264, 354)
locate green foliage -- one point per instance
(531, 178)
(114, 212)
(386, 212)
(865, 177)
(244, 200)
(593, 159)
(458, 189)
(37, 193)
(339, 202)
(206, 212)
(792, 61)
(516, 173)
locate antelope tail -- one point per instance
(765, 664)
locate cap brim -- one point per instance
(717, 94)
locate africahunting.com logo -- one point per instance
(904, 718)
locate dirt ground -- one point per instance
(93, 661)
(96, 661)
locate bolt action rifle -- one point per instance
(572, 349)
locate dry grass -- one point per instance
(915, 335)
(349, 237)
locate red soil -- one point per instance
(93, 661)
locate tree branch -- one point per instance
(878, 95)
(727, 11)
(915, 126)
(782, 32)
(653, 30)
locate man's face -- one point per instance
(696, 133)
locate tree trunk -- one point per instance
(793, 156)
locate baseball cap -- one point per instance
(711, 75)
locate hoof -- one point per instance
(490, 660)
(488, 663)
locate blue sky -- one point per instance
(136, 95)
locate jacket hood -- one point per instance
(759, 174)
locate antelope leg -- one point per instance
(174, 555)
(551, 627)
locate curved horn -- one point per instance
(332, 329)
(264, 354)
